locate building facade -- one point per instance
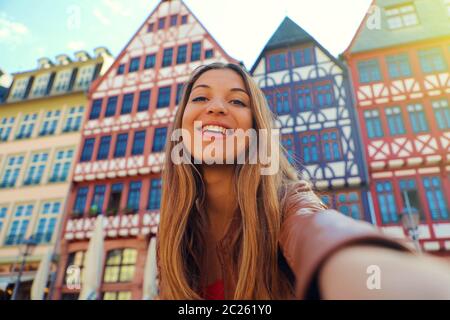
(5, 83)
(309, 92)
(399, 62)
(40, 124)
(118, 169)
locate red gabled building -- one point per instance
(399, 63)
(118, 171)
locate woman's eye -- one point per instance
(238, 102)
(199, 99)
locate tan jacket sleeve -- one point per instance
(306, 240)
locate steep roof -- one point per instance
(288, 33)
(434, 22)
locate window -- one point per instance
(36, 169)
(41, 85)
(164, 97)
(196, 51)
(287, 141)
(150, 61)
(134, 64)
(302, 57)
(270, 103)
(75, 259)
(144, 100)
(121, 145)
(436, 198)
(402, 16)
(324, 94)
(399, 66)
(127, 103)
(20, 88)
(373, 124)
(121, 69)
(50, 123)
(386, 200)
(180, 88)
(432, 60)
(97, 200)
(331, 146)
(282, 100)
(74, 119)
(369, 71)
(349, 204)
(134, 196)
(115, 197)
(80, 201)
(310, 150)
(304, 98)
(161, 23)
(48, 218)
(277, 62)
(11, 171)
(88, 148)
(150, 27)
(103, 149)
(138, 143)
(182, 54)
(62, 81)
(111, 107)
(19, 225)
(417, 118)
(6, 125)
(442, 113)
(27, 126)
(61, 165)
(173, 20)
(167, 57)
(85, 76)
(154, 197)
(184, 19)
(117, 295)
(209, 54)
(410, 195)
(3, 212)
(96, 109)
(159, 140)
(395, 121)
(120, 265)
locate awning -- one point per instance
(7, 280)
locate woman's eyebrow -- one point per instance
(239, 89)
(201, 86)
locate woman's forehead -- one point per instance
(220, 78)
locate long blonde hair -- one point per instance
(261, 202)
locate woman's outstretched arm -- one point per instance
(370, 272)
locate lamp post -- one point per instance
(29, 245)
(411, 219)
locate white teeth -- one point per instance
(216, 129)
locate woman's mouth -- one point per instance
(216, 131)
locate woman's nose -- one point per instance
(217, 106)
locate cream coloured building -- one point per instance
(40, 124)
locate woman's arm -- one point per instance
(370, 272)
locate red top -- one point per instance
(215, 291)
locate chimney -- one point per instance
(63, 59)
(101, 52)
(82, 56)
(44, 63)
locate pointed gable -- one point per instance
(288, 33)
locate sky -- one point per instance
(31, 29)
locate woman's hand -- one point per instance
(351, 273)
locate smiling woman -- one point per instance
(227, 231)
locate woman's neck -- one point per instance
(221, 200)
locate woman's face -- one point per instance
(218, 105)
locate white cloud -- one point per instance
(12, 32)
(117, 7)
(101, 17)
(76, 45)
